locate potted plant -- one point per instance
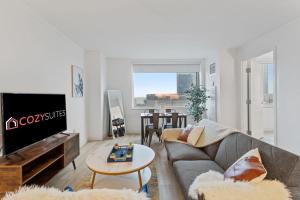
(195, 102)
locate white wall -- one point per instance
(226, 82)
(286, 40)
(210, 84)
(228, 88)
(119, 77)
(96, 98)
(104, 98)
(36, 58)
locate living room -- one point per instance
(135, 49)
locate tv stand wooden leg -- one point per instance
(74, 165)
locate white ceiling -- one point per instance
(164, 28)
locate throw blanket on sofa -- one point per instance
(213, 132)
(213, 187)
(43, 193)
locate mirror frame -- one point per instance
(109, 95)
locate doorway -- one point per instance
(259, 97)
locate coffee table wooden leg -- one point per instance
(140, 180)
(93, 180)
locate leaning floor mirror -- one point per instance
(116, 111)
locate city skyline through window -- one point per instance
(161, 89)
(154, 83)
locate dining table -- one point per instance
(147, 116)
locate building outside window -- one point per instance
(268, 83)
(156, 90)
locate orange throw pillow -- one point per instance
(185, 133)
(245, 169)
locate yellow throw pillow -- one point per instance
(195, 135)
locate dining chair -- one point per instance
(169, 110)
(153, 128)
(150, 121)
(174, 121)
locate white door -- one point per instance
(256, 97)
(252, 98)
(244, 109)
(258, 89)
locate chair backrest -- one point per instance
(169, 110)
(155, 120)
(174, 120)
(151, 111)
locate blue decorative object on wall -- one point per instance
(77, 81)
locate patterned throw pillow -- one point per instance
(185, 133)
(248, 168)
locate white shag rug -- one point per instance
(213, 186)
(43, 193)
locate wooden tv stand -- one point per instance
(38, 163)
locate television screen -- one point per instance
(29, 118)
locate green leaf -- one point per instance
(195, 102)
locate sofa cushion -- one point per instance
(178, 151)
(187, 171)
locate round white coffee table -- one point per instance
(121, 174)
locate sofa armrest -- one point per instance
(170, 134)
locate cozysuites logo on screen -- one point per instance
(14, 123)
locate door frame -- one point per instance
(275, 100)
(244, 119)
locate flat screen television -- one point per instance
(29, 118)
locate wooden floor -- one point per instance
(167, 184)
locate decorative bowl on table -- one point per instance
(121, 153)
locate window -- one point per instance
(153, 90)
(268, 83)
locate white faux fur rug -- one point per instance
(214, 187)
(43, 193)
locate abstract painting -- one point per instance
(77, 81)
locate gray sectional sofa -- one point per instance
(188, 162)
